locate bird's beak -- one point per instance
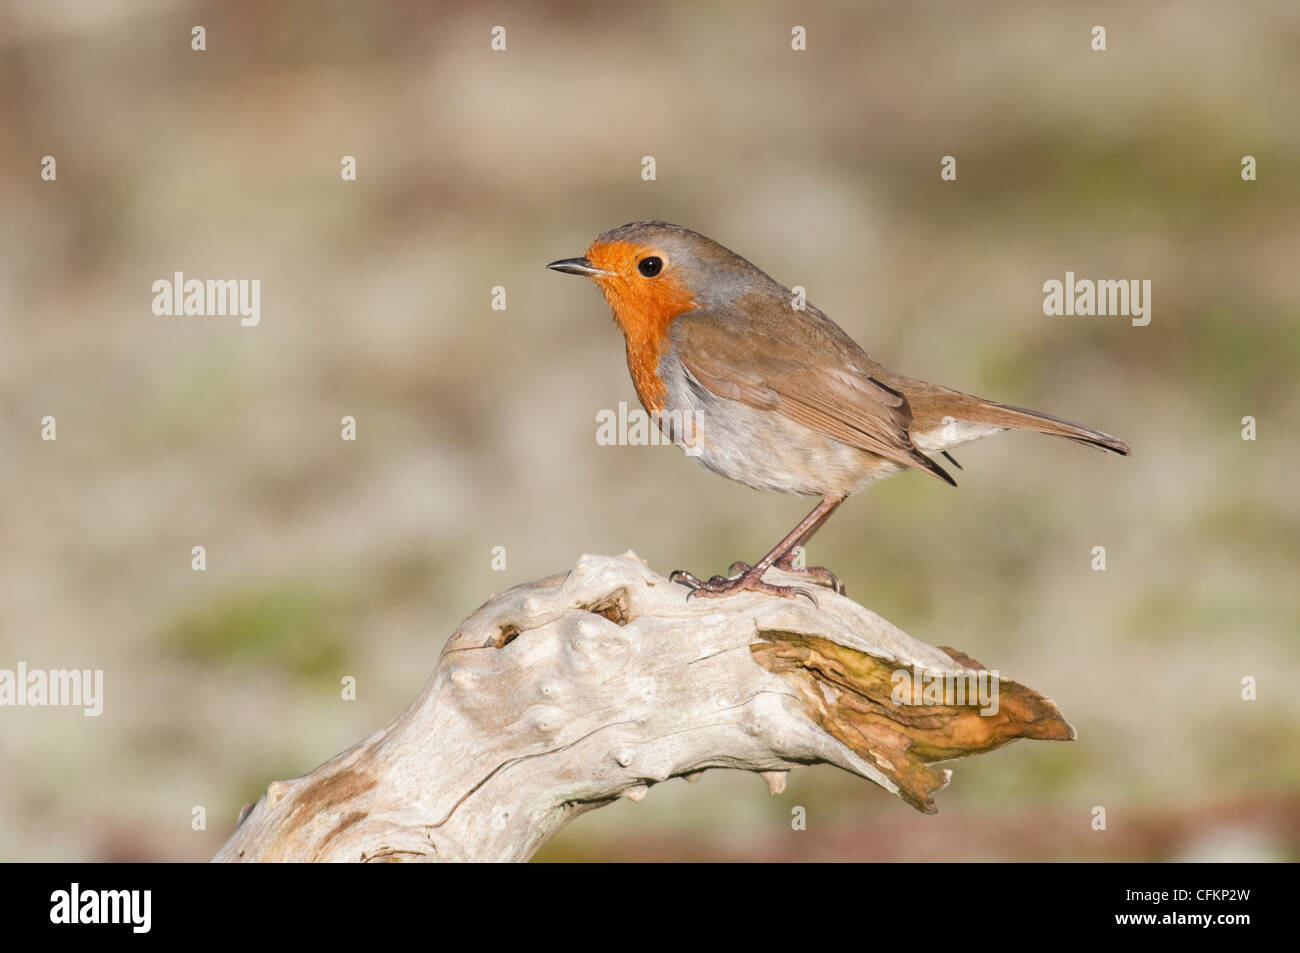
(579, 266)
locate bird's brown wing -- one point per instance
(796, 366)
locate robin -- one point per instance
(781, 398)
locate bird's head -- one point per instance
(651, 272)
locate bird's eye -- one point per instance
(650, 266)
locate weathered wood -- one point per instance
(560, 696)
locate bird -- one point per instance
(777, 395)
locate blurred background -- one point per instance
(476, 428)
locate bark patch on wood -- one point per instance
(876, 707)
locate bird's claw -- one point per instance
(747, 581)
(818, 574)
(822, 576)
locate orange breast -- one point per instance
(644, 309)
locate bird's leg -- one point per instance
(751, 577)
(818, 574)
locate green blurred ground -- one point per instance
(477, 427)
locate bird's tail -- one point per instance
(1018, 418)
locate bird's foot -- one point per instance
(747, 581)
(818, 574)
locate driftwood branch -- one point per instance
(563, 695)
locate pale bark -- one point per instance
(563, 695)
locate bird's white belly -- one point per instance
(765, 450)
